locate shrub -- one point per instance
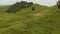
(33, 8)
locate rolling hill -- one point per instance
(43, 20)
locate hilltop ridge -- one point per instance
(43, 20)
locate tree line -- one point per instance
(18, 6)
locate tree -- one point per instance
(30, 4)
(58, 4)
(18, 6)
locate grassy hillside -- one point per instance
(44, 20)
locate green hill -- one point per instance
(43, 20)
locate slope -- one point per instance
(25, 21)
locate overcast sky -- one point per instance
(41, 2)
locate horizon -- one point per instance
(40, 2)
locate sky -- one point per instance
(41, 2)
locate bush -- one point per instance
(33, 8)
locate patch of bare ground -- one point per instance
(41, 13)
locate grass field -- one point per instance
(44, 20)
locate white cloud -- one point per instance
(42, 2)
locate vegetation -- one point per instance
(18, 6)
(33, 8)
(43, 20)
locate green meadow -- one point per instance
(43, 20)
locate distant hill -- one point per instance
(43, 20)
